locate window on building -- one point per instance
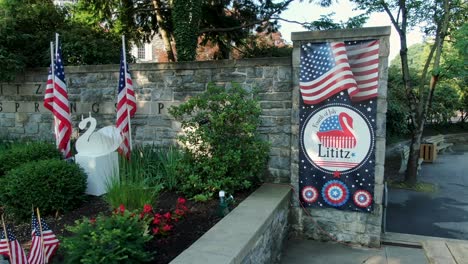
(141, 52)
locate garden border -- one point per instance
(252, 233)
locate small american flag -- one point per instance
(56, 101)
(329, 68)
(125, 100)
(40, 253)
(19, 257)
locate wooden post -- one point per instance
(42, 237)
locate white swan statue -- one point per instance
(98, 143)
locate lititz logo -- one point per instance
(337, 131)
(337, 138)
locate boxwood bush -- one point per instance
(119, 238)
(22, 153)
(222, 141)
(52, 185)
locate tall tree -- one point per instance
(404, 15)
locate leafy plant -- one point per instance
(139, 181)
(51, 185)
(221, 140)
(20, 153)
(119, 238)
(169, 159)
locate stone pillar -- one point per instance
(331, 224)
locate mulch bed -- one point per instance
(199, 219)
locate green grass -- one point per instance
(150, 170)
(418, 187)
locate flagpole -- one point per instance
(12, 257)
(125, 82)
(42, 237)
(52, 68)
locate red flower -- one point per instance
(92, 220)
(179, 212)
(147, 209)
(142, 215)
(167, 228)
(182, 207)
(167, 215)
(155, 230)
(156, 221)
(181, 200)
(122, 208)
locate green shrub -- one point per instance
(19, 154)
(51, 185)
(119, 238)
(221, 139)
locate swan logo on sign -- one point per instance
(337, 138)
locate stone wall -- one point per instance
(332, 224)
(157, 86)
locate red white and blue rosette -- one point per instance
(362, 198)
(335, 193)
(309, 194)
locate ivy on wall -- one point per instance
(186, 16)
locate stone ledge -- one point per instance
(184, 65)
(234, 237)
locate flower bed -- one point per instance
(199, 219)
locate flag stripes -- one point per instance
(126, 106)
(329, 68)
(12, 244)
(56, 101)
(41, 253)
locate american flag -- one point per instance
(329, 68)
(56, 100)
(19, 257)
(363, 58)
(325, 71)
(125, 100)
(41, 253)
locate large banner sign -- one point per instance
(338, 85)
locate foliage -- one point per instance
(444, 104)
(326, 22)
(119, 238)
(265, 45)
(149, 170)
(186, 17)
(20, 153)
(168, 165)
(138, 182)
(29, 26)
(51, 185)
(222, 141)
(162, 224)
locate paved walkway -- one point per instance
(440, 214)
(314, 252)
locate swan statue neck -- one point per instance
(91, 128)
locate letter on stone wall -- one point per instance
(95, 108)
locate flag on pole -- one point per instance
(8, 243)
(126, 105)
(41, 252)
(56, 101)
